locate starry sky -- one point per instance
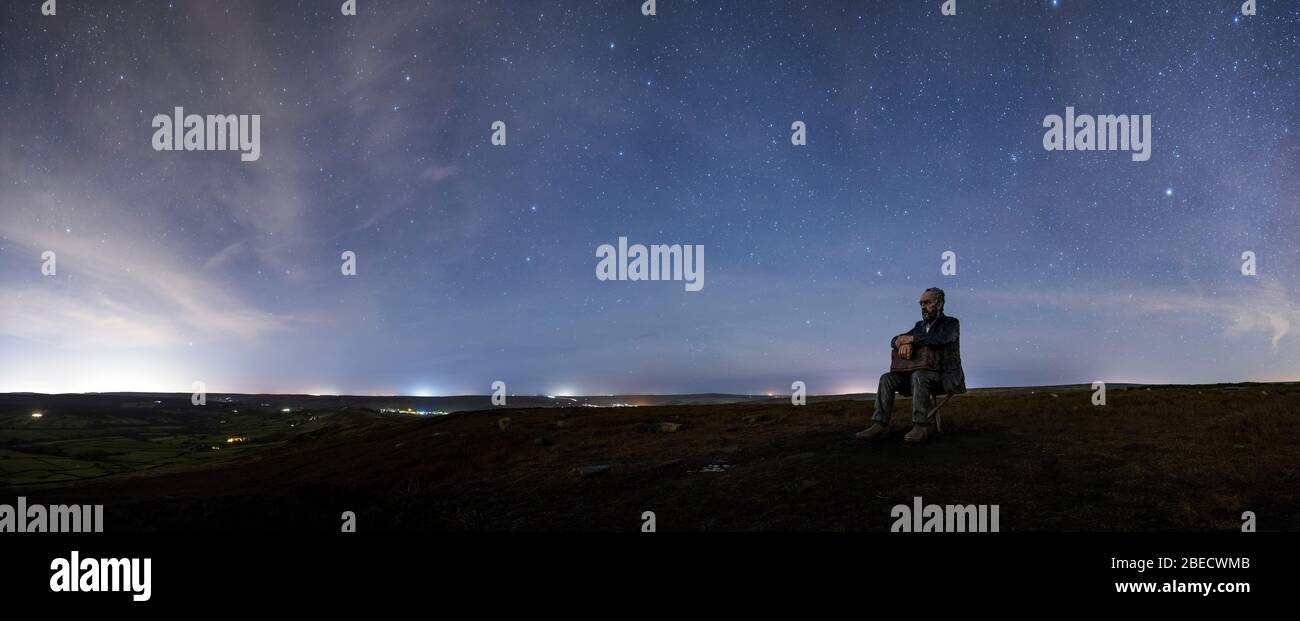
(476, 262)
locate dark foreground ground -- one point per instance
(1163, 458)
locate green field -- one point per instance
(73, 443)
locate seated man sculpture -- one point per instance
(927, 361)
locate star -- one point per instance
(711, 167)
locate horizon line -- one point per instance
(629, 394)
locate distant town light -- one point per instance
(37, 415)
(285, 410)
(236, 440)
(408, 411)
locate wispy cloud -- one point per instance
(1262, 306)
(113, 295)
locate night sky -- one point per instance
(477, 262)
